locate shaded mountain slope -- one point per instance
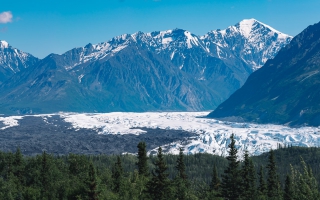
(285, 90)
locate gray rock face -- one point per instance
(167, 70)
(13, 60)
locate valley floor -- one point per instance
(119, 132)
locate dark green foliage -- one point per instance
(231, 182)
(262, 188)
(285, 157)
(215, 184)
(18, 167)
(94, 177)
(181, 167)
(45, 176)
(289, 192)
(92, 183)
(78, 167)
(142, 159)
(273, 183)
(303, 183)
(248, 178)
(181, 181)
(117, 174)
(159, 187)
(215, 181)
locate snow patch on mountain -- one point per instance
(191, 40)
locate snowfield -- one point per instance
(9, 121)
(212, 135)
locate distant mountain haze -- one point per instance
(172, 70)
(286, 90)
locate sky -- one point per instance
(55, 26)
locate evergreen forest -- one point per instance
(286, 173)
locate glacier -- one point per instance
(212, 136)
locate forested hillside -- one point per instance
(285, 173)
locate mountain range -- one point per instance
(162, 70)
(285, 90)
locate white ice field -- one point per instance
(212, 135)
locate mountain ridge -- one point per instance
(160, 70)
(160, 40)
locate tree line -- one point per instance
(199, 176)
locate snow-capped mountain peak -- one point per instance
(250, 41)
(246, 27)
(4, 44)
(162, 70)
(13, 60)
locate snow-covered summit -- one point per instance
(246, 26)
(158, 41)
(4, 44)
(248, 41)
(13, 60)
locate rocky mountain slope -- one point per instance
(13, 60)
(167, 70)
(285, 90)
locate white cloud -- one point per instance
(5, 17)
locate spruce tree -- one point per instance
(311, 181)
(9, 159)
(273, 183)
(262, 188)
(231, 181)
(288, 189)
(307, 185)
(248, 178)
(159, 188)
(92, 190)
(142, 159)
(78, 167)
(117, 173)
(215, 184)
(18, 166)
(181, 167)
(181, 180)
(142, 175)
(215, 180)
(45, 176)
(9, 189)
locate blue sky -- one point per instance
(55, 26)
